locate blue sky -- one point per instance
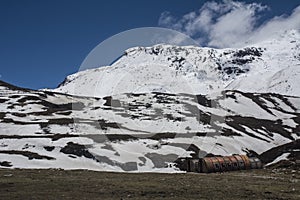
(43, 41)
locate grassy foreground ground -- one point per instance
(79, 184)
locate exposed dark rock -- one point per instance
(28, 98)
(49, 148)
(239, 61)
(269, 126)
(249, 52)
(19, 114)
(5, 164)
(111, 102)
(2, 115)
(275, 152)
(3, 100)
(12, 87)
(234, 70)
(77, 149)
(54, 137)
(28, 154)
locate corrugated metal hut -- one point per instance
(226, 163)
(219, 163)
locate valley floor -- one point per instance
(79, 184)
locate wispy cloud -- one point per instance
(230, 23)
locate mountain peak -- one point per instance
(196, 70)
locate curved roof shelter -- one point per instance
(220, 164)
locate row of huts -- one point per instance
(219, 163)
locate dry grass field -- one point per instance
(79, 184)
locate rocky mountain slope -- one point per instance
(141, 132)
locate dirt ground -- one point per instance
(79, 184)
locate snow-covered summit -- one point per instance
(274, 64)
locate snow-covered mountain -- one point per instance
(156, 104)
(269, 66)
(140, 132)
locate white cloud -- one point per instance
(229, 23)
